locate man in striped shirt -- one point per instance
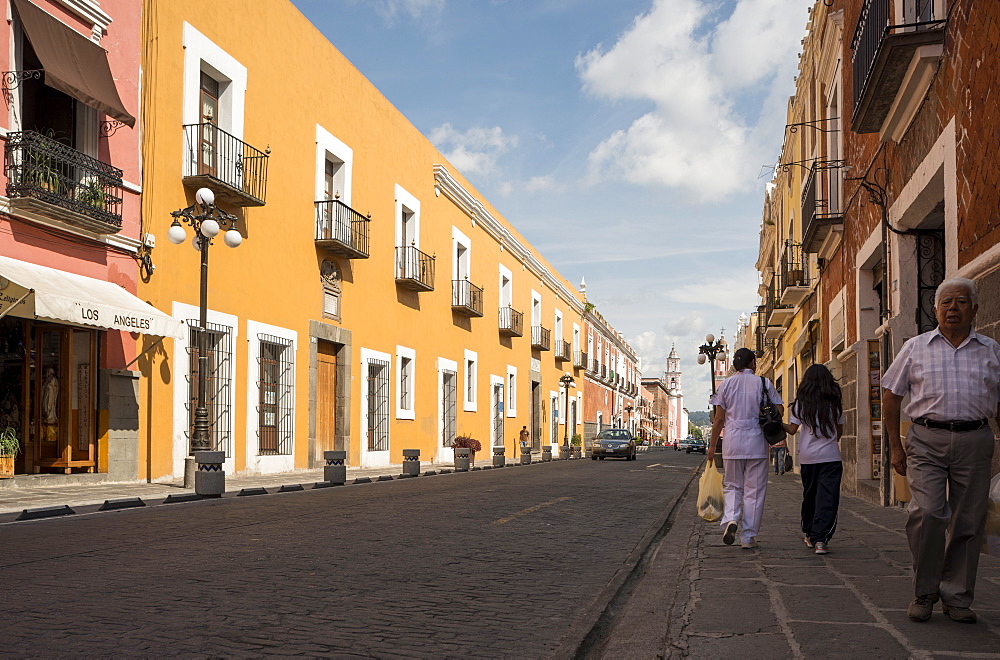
(952, 376)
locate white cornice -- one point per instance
(472, 207)
(90, 11)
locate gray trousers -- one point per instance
(949, 477)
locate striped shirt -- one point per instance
(739, 396)
(947, 383)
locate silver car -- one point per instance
(616, 443)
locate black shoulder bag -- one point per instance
(770, 420)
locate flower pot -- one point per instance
(6, 466)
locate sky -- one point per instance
(628, 140)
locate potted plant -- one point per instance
(576, 441)
(91, 192)
(466, 442)
(9, 448)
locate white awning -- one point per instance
(656, 433)
(32, 291)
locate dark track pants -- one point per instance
(820, 499)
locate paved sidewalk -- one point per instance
(49, 492)
(703, 599)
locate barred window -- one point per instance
(405, 378)
(275, 404)
(218, 382)
(449, 407)
(378, 405)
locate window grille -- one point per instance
(378, 405)
(498, 415)
(470, 385)
(218, 392)
(449, 406)
(276, 399)
(404, 383)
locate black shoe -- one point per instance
(730, 534)
(921, 607)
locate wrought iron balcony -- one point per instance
(540, 338)
(580, 360)
(821, 210)
(778, 315)
(564, 350)
(466, 298)
(231, 168)
(414, 269)
(604, 371)
(882, 54)
(47, 177)
(341, 230)
(511, 322)
(794, 275)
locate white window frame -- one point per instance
(181, 312)
(554, 399)
(576, 339)
(536, 308)
(372, 458)
(461, 267)
(403, 353)
(506, 291)
(329, 147)
(443, 364)
(502, 383)
(557, 326)
(470, 381)
(202, 54)
(404, 200)
(270, 463)
(511, 391)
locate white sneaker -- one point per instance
(821, 548)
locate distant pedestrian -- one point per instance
(952, 376)
(744, 484)
(779, 450)
(818, 411)
(525, 436)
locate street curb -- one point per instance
(588, 631)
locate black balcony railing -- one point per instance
(79, 190)
(414, 269)
(793, 266)
(821, 208)
(466, 298)
(604, 371)
(563, 350)
(511, 322)
(341, 229)
(540, 338)
(235, 171)
(772, 305)
(881, 53)
(580, 359)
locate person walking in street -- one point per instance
(818, 411)
(779, 450)
(745, 453)
(525, 436)
(952, 376)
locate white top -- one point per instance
(739, 395)
(947, 383)
(814, 448)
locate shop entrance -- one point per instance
(47, 394)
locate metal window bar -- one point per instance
(404, 383)
(45, 169)
(378, 405)
(275, 407)
(213, 152)
(449, 407)
(512, 320)
(412, 264)
(466, 294)
(498, 415)
(540, 337)
(336, 221)
(930, 273)
(793, 266)
(872, 25)
(218, 341)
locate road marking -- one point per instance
(531, 509)
(654, 465)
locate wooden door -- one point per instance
(326, 397)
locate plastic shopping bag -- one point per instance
(993, 519)
(710, 502)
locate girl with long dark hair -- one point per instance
(818, 410)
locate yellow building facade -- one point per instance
(376, 301)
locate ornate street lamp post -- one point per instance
(711, 351)
(629, 410)
(567, 382)
(207, 220)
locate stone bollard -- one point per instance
(411, 462)
(525, 455)
(499, 457)
(563, 452)
(577, 452)
(462, 460)
(335, 470)
(547, 453)
(210, 479)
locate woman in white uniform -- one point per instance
(745, 452)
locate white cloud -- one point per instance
(692, 323)
(701, 134)
(474, 151)
(391, 9)
(545, 183)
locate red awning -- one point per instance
(73, 64)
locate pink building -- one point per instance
(70, 236)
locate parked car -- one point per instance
(696, 444)
(684, 444)
(616, 443)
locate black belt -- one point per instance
(953, 426)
